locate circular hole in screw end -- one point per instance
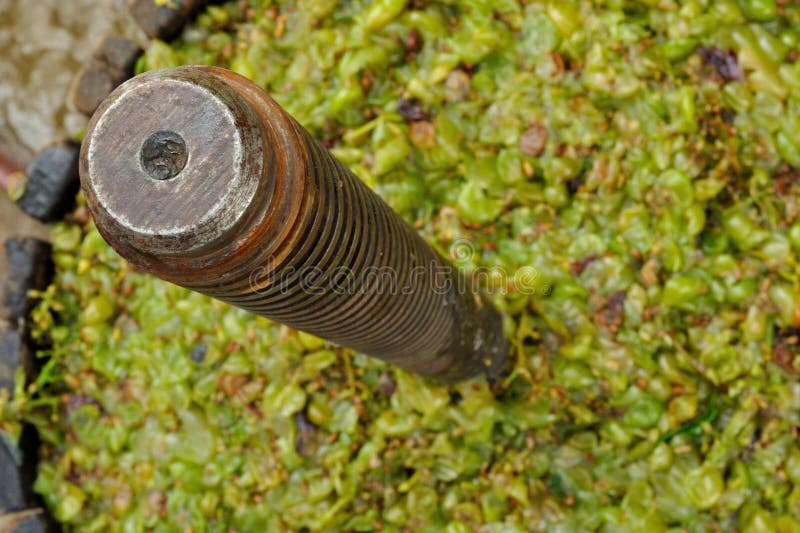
(164, 155)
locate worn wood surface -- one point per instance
(52, 182)
(113, 60)
(163, 21)
(30, 267)
(14, 353)
(118, 53)
(25, 521)
(13, 222)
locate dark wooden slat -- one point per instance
(8, 165)
(113, 60)
(18, 505)
(52, 182)
(163, 21)
(30, 268)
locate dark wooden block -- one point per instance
(27, 521)
(21, 510)
(93, 83)
(52, 182)
(18, 504)
(11, 496)
(30, 267)
(14, 353)
(113, 62)
(119, 53)
(163, 21)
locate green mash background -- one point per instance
(644, 193)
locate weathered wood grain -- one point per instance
(163, 20)
(51, 182)
(113, 60)
(30, 268)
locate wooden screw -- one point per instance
(199, 177)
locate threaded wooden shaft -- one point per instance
(199, 177)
